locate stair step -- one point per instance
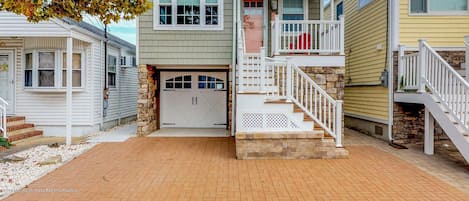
(24, 135)
(19, 127)
(15, 118)
(282, 101)
(14, 121)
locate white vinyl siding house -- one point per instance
(39, 55)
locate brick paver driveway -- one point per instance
(205, 169)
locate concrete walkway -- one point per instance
(206, 169)
(116, 134)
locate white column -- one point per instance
(68, 98)
(321, 10)
(338, 124)
(342, 35)
(429, 133)
(332, 7)
(466, 42)
(277, 35)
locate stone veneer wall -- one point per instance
(146, 107)
(331, 79)
(409, 122)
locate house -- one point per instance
(33, 77)
(270, 73)
(405, 74)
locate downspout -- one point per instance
(101, 124)
(393, 25)
(233, 68)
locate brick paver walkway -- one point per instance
(205, 169)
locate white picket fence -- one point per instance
(3, 117)
(428, 70)
(308, 36)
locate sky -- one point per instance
(125, 30)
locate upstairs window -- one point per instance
(123, 61)
(293, 10)
(134, 61)
(363, 3)
(188, 14)
(438, 6)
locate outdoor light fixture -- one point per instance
(274, 4)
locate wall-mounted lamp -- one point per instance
(274, 4)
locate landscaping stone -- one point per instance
(51, 160)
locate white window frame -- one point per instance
(305, 9)
(133, 61)
(363, 3)
(123, 61)
(175, 26)
(83, 66)
(438, 13)
(57, 70)
(115, 72)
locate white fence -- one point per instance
(3, 117)
(308, 36)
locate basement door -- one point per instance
(7, 84)
(193, 100)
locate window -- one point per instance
(48, 69)
(438, 6)
(293, 10)
(208, 82)
(134, 61)
(180, 82)
(28, 70)
(111, 70)
(123, 61)
(76, 70)
(188, 14)
(339, 10)
(363, 3)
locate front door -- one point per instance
(253, 23)
(193, 100)
(7, 87)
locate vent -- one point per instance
(379, 130)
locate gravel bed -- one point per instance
(16, 175)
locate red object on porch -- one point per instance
(304, 41)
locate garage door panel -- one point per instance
(193, 99)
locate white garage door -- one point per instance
(193, 99)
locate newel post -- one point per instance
(277, 35)
(241, 68)
(421, 66)
(338, 123)
(400, 69)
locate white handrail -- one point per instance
(3, 117)
(450, 88)
(308, 36)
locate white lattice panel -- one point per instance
(268, 121)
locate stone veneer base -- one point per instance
(287, 145)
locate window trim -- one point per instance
(305, 9)
(365, 5)
(174, 26)
(438, 13)
(115, 72)
(57, 70)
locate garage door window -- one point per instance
(209, 82)
(180, 82)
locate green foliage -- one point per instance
(106, 10)
(4, 142)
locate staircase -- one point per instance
(18, 129)
(443, 91)
(276, 95)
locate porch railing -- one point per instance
(431, 72)
(308, 36)
(3, 117)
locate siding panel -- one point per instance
(440, 31)
(185, 47)
(365, 29)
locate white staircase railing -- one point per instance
(432, 72)
(3, 117)
(307, 36)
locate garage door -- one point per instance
(193, 99)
